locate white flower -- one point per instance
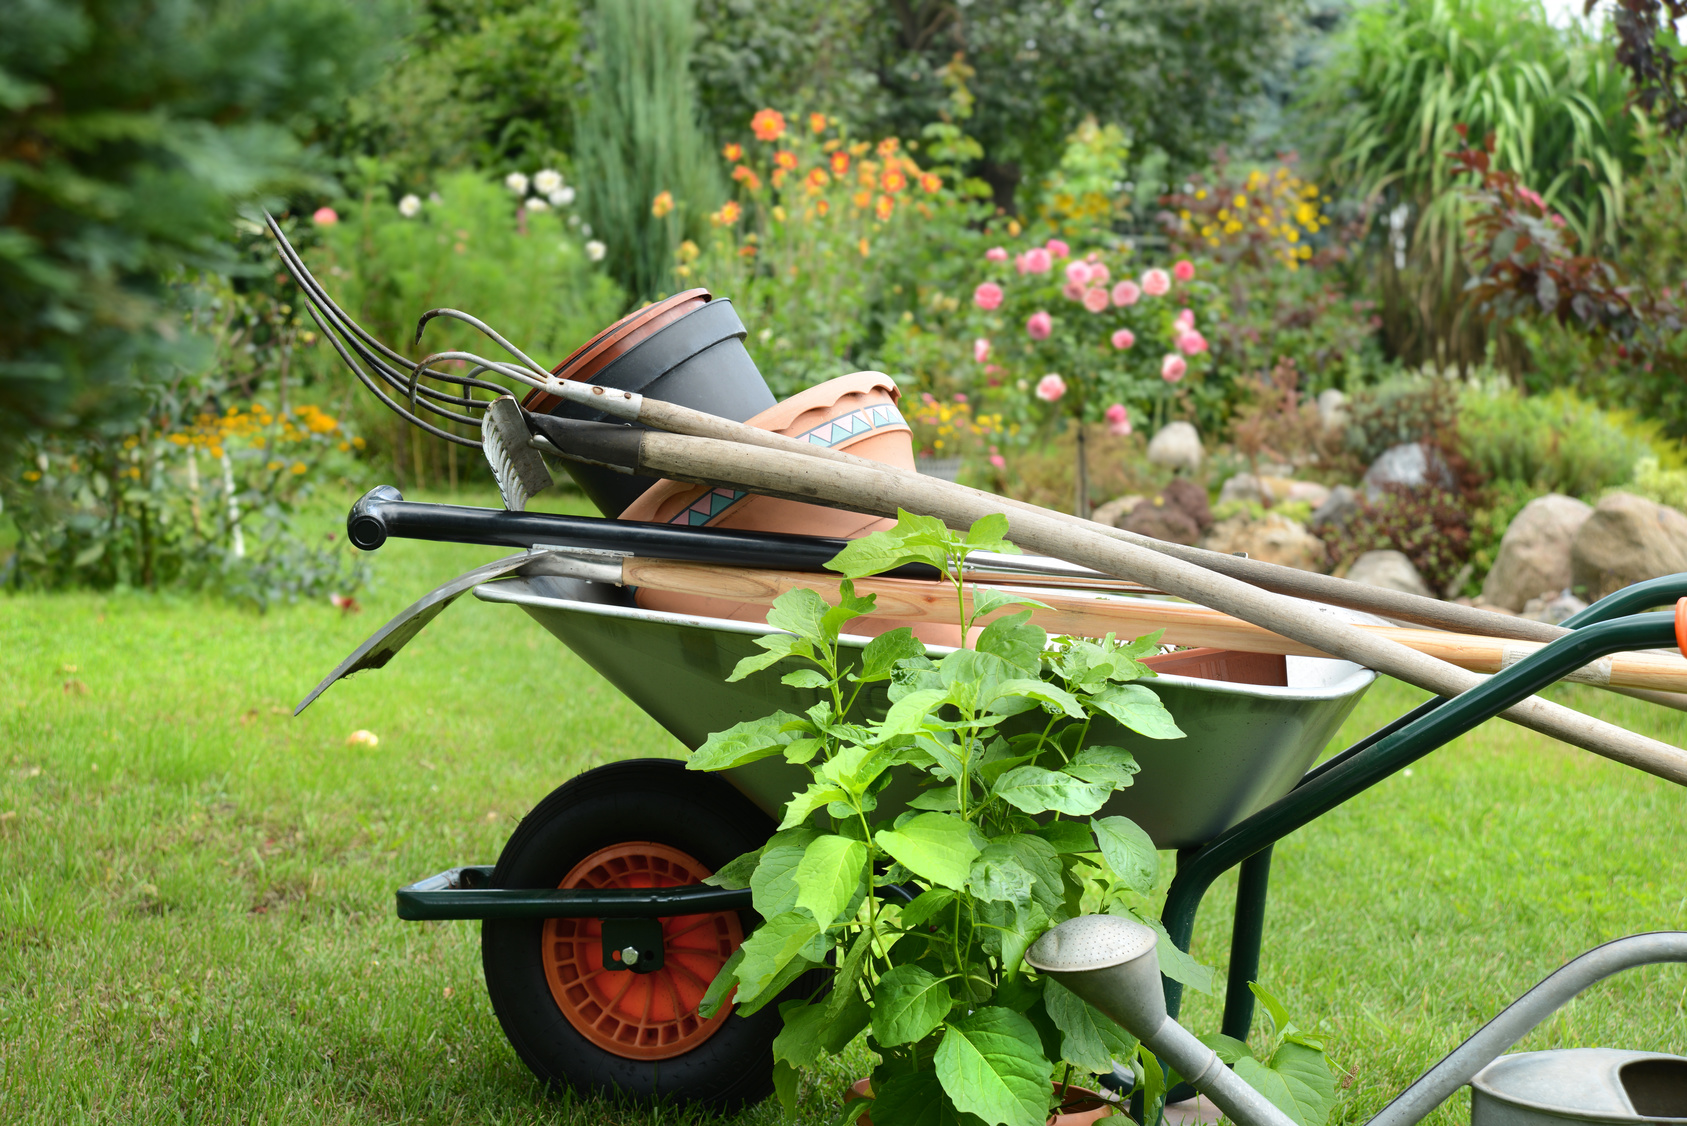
(409, 206)
(516, 182)
(595, 250)
(574, 220)
(586, 229)
(546, 181)
(562, 197)
(537, 204)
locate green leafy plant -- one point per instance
(926, 904)
(1294, 1072)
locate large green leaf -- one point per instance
(828, 876)
(1036, 790)
(914, 539)
(773, 886)
(986, 600)
(1067, 836)
(879, 657)
(777, 647)
(912, 1096)
(1128, 851)
(800, 611)
(1089, 1039)
(737, 872)
(935, 846)
(908, 713)
(990, 533)
(991, 1064)
(780, 942)
(725, 980)
(802, 806)
(745, 742)
(925, 905)
(802, 1040)
(909, 1003)
(1039, 858)
(1137, 708)
(1308, 1090)
(1016, 641)
(998, 876)
(1113, 765)
(1054, 700)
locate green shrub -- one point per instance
(1409, 407)
(1654, 482)
(1554, 443)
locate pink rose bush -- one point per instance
(1126, 293)
(1173, 368)
(996, 254)
(1184, 270)
(1156, 283)
(1118, 420)
(1123, 338)
(988, 296)
(980, 350)
(1038, 326)
(1050, 388)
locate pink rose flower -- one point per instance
(1078, 273)
(325, 217)
(1123, 339)
(1039, 325)
(987, 296)
(980, 350)
(1019, 262)
(1099, 273)
(1155, 282)
(1173, 367)
(1126, 292)
(998, 461)
(1072, 291)
(960, 398)
(995, 254)
(1118, 420)
(1191, 343)
(1095, 300)
(1185, 321)
(1050, 388)
(1037, 261)
(1184, 270)
(1058, 248)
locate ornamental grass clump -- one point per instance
(953, 814)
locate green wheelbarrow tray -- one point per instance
(1245, 745)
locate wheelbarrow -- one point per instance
(599, 932)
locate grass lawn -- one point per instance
(197, 924)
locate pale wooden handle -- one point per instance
(911, 600)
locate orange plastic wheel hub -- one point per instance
(637, 1016)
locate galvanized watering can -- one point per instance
(1111, 963)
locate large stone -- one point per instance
(1534, 556)
(1338, 508)
(1412, 465)
(1332, 409)
(1275, 539)
(1115, 510)
(1242, 487)
(1272, 490)
(1390, 570)
(1626, 540)
(1162, 521)
(1191, 498)
(1176, 446)
(1553, 609)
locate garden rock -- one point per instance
(1534, 555)
(1412, 465)
(1338, 508)
(1159, 520)
(1114, 511)
(1626, 540)
(1298, 492)
(1192, 499)
(1553, 608)
(1272, 490)
(1176, 446)
(1332, 409)
(1390, 570)
(1275, 539)
(1242, 487)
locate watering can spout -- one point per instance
(1110, 962)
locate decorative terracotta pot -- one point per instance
(687, 350)
(853, 412)
(1080, 1107)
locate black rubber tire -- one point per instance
(637, 800)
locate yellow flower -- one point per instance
(31, 475)
(733, 152)
(1240, 202)
(863, 247)
(662, 204)
(888, 146)
(778, 213)
(298, 468)
(729, 213)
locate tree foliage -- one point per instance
(131, 130)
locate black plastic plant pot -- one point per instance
(698, 361)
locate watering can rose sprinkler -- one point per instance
(1111, 963)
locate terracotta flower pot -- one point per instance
(687, 350)
(1081, 1106)
(853, 412)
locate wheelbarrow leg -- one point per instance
(1247, 932)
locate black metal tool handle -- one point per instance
(382, 513)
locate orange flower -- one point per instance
(862, 246)
(895, 180)
(662, 204)
(778, 177)
(768, 125)
(860, 148)
(931, 182)
(746, 177)
(884, 207)
(863, 199)
(817, 179)
(733, 152)
(746, 252)
(823, 207)
(817, 122)
(840, 163)
(785, 159)
(728, 214)
(888, 146)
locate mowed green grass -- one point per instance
(196, 913)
